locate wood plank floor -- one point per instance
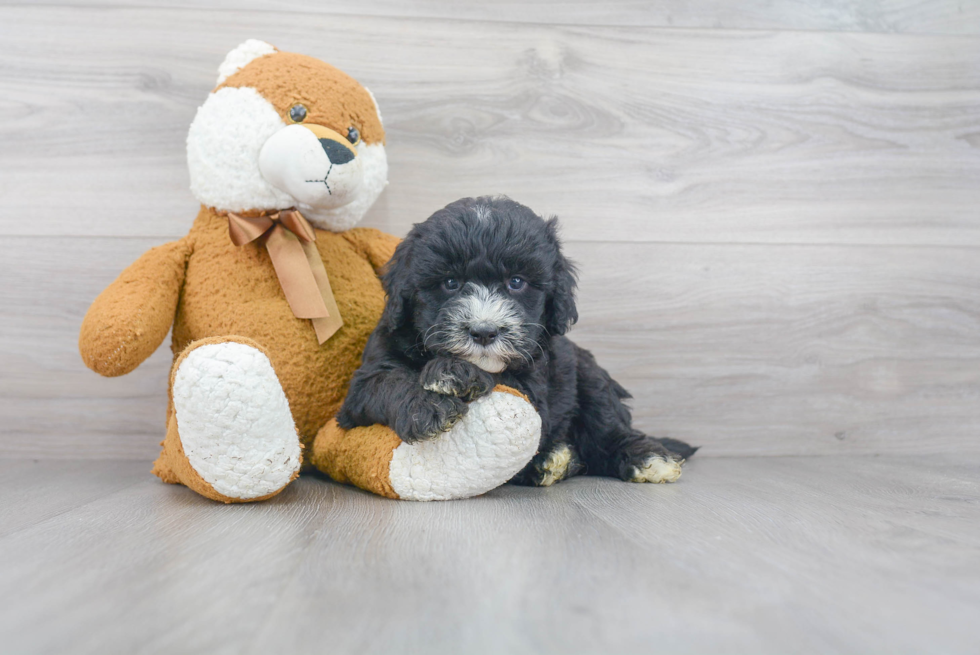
(744, 555)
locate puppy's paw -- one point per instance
(645, 459)
(428, 414)
(551, 466)
(657, 469)
(455, 377)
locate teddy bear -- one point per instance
(271, 297)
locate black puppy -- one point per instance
(481, 294)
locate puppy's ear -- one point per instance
(395, 279)
(560, 311)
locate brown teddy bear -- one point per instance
(272, 295)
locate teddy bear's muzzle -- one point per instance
(313, 164)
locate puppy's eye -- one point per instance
(450, 284)
(516, 283)
(353, 135)
(297, 113)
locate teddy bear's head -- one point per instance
(284, 130)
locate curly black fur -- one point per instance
(480, 294)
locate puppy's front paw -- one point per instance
(455, 377)
(428, 414)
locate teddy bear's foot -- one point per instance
(231, 436)
(495, 440)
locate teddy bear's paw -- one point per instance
(233, 420)
(495, 440)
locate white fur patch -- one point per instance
(556, 465)
(483, 212)
(444, 385)
(223, 146)
(488, 363)
(657, 470)
(493, 442)
(234, 420)
(241, 56)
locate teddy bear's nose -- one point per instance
(337, 153)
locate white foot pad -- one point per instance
(657, 470)
(497, 438)
(234, 420)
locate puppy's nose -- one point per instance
(483, 333)
(337, 153)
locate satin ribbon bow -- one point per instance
(290, 240)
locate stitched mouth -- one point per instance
(324, 180)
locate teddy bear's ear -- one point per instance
(239, 58)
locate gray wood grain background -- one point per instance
(775, 205)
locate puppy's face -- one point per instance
(482, 280)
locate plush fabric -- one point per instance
(226, 445)
(496, 439)
(308, 83)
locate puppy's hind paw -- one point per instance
(558, 464)
(657, 469)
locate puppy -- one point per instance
(481, 294)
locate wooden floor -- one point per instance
(744, 555)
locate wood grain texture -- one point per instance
(52, 406)
(778, 231)
(740, 349)
(761, 555)
(34, 492)
(904, 16)
(629, 133)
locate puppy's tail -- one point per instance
(681, 449)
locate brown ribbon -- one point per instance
(290, 238)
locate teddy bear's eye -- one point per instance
(353, 135)
(297, 113)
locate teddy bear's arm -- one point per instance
(131, 317)
(375, 244)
